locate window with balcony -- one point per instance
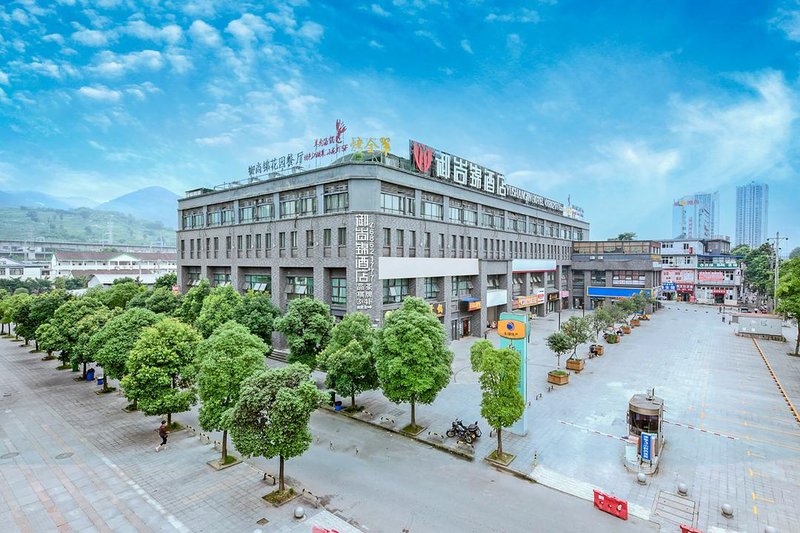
(299, 203)
(398, 200)
(220, 279)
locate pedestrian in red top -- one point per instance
(162, 432)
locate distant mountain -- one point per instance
(151, 203)
(39, 199)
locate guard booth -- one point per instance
(645, 436)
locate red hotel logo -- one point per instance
(423, 156)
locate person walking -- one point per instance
(162, 432)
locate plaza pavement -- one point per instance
(710, 379)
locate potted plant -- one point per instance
(561, 344)
(626, 307)
(598, 322)
(578, 332)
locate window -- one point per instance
(228, 246)
(258, 242)
(426, 244)
(395, 199)
(282, 240)
(247, 214)
(399, 244)
(248, 243)
(220, 279)
(463, 212)
(394, 290)
(432, 206)
(453, 247)
(628, 277)
(299, 286)
(193, 276)
(191, 248)
(387, 242)
(460, 286)
(338, 291)
(268, 240)
(216, 247)
(239, 246)
(299, 203)
(336, 197)
(326, 237)
(257, 282)
(208, 247)
(309, 242)
(220, 214)
(441, 245)
(342, 239)
(183, 249)
(412, 243)
(598, 278)
(293, 242)
(493, 218)
(192, 219)
(431, 288)
(265, 211)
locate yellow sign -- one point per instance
(437, 309)
(371, 145)
(511, 329)
(524, 301)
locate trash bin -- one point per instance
(338, 405)
(100, 381)
(90, 374)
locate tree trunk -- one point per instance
(413, 414)
(353, 399)
(797, 343)
(2, 328)
(36, 344)
(169, 419)
(27, 341)
(224, 447)
(499, 443)
(105, 381)
(84, 370)
(280, 476)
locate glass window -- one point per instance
(257, 282)
(282, 239)
(432, 210)
(460, 286)
(392, 203)
(326, 237)
(431, 288)
(220, 279)
(342, 234)
(339, 291)
(336, 202)
(297, 287)
(394, 290)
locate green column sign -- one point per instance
(513, 330)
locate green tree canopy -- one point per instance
(218, 308)
(81, 352)
(167, 281)
(49, 338)
(112, 343)
(758, 272)
(272, 414)
(560, 343)
(65, 321)
(257, 313)
(789, 294)
(501, 404)
(349, 358)
(161, 301)
(228, 357)
(628, 236)
(20, 316)
(120, 293)
(307, 326)
(411, 355)
(10, 307)
(192, 303)
(600, 320)
(577, 329)
(160, 368)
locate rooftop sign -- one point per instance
(441, 165)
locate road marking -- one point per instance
(754, 454)
(755, 509)
(777, 382)
(759, 498)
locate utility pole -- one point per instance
(776, 248)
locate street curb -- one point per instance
(509, 470)
(452, 451)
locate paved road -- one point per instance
(71, 460)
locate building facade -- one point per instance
(695, 216)
(700, 271)
(73, 264)
(10, 269)
(40, 250)
(603, 270)
(752, 203)
(360, 235)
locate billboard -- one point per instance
(677, 276)
(710, 276)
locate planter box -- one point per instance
(635, 322)
(598, 350)
(576, 364)
(557, 379)
(626, 330)
(612, 339)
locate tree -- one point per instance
(217, 309)
(789, 294)
(83, 330)
(349, 358)
(758, 273)
(162, 301)
(193, 302)
(307, 326)
(257, 313)
(44, 307)
(741, 250)
(502, 403)
(577, 331)
(160, 368)
(411, 355)
(795, 252)
(228, 357)
(628, 236)
(272, 414)
(112, 343)
(10, 307)
(167, 281)
(20, 316)
(600, 320)
(120, 293)
(49, 339)
(560, 343)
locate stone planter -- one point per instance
(576, 364)
(626, 330)
(635, 322)
(557, 377)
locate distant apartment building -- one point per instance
(695, 216)
(752, 202)
(608, 270)
(700, 271)
(10, 269)
(74, 264)
(41, 250)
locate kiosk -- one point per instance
(645, 436)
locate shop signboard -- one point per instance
(470, 304)
(552, 297)
(437, 308)
(539, 296)
(677, 276)
(669, 286)
(710, 276)
(564, 294)
(524, 301)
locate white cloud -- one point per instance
(375, 44)
(524, 15)
(3, 78)
(425, 34)
(21, 17)
(140, 91)
(466, 46)
(171, 33)
(46, 68)
(787, 21)
(94, 38)
(109, 64)
(291, 92)
(4, 98)
(100, 93)
(311, 31)
(54, 37)
(181, 63)
(378, 10)
(284, 18)
(219, 140)
(248, 29)
(204, 33)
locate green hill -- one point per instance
(80, 225)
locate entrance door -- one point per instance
(465, 328)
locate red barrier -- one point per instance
(611, 505)
(689, 529)
(317, 529)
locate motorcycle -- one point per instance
(465, 433)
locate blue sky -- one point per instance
(622, 105)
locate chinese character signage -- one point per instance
(448, 167)
(646, 443)
(437, 308)
(524, 301)
(677, 276)
(370, 145)
(710, 276)
(365, 261)
(276, 164)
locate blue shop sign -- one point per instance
(646, 442)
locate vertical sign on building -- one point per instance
(513, 330)
(365, 261)
(646, 440)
